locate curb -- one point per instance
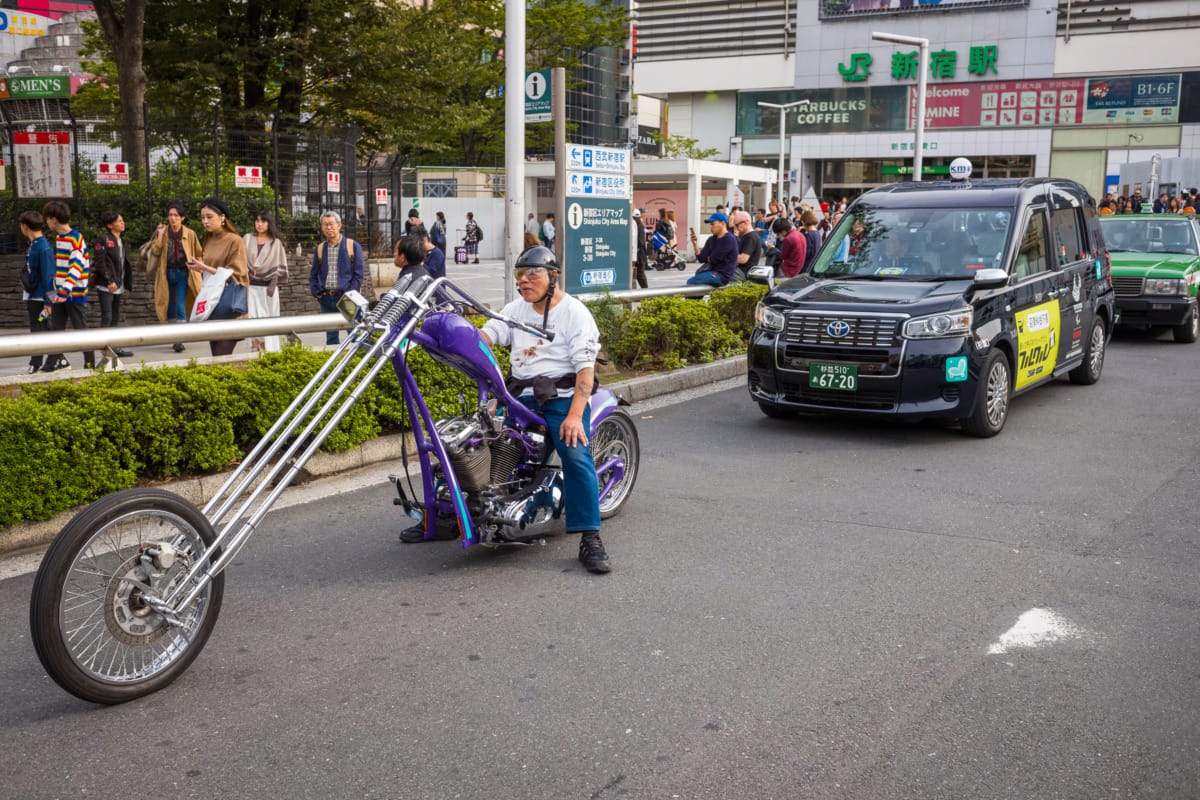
(30, 535)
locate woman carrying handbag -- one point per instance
(222, 248)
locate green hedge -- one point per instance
(71, 442)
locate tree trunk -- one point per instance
(125, 36)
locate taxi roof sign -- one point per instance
(960, 169)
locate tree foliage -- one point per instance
(417, 79)
(676, 146)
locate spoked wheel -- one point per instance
(615, 438)
(92, 615)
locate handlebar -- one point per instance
(482, 309)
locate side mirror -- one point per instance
(991, 279)
(762, 274)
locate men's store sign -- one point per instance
(22, 87)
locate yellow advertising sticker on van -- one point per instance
(1037, 343)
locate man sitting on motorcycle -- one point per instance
(555, 379)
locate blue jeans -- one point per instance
(328, 303)
(706, 278)
(177, 286)
(581, 489)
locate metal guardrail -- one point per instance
(634, 295)
(28, 344)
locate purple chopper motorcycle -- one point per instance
(129, 591)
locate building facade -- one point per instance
(1021, 87)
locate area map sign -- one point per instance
(596, 247)
(596, 250)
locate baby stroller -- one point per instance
(665, 257)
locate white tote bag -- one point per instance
(210, 293)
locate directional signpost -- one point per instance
(596, 253)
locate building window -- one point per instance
(439, 187)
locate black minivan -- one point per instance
(940, 299)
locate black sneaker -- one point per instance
(32, 370)
(56, 366)
(592, 554)
(416, 534)
(123, 353)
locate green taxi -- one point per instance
(1155, 271)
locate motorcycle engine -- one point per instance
(469, 452)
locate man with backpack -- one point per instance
(337, 268)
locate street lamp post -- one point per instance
(922, 74)
(782, 129)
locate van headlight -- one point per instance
(938, 326)
(768, 318)
(1166, 286)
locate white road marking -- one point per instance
(1034, 628)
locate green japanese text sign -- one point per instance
(596, 248)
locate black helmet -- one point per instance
(538, 256)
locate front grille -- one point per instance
(869, 400)
(864, 331)
(1127, 287)
(870, 361)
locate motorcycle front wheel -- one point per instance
(615, 438)
(93, 629)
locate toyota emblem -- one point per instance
(838, 328)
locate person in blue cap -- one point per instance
(718, 257)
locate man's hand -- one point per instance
(571, 431)
(112, 286)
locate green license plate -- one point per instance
(839, 377)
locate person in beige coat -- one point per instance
(223, 247)
(175, 286)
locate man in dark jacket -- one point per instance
(337, 267)
(111, 273)
(718, 258)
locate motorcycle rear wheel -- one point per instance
(616, 437)
(91, 629)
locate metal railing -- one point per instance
(28, 344)
(98, 339)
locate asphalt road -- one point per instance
(816, 608)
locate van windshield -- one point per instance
(914, 243)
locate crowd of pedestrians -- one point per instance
(1186, 202)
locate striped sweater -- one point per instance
(71, 266)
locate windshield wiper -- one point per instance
(853, 276)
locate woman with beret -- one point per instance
(175, 287)
(223, 247)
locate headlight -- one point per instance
(937, 326)
(768, 318)
(1165, 286)
(352, 306)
